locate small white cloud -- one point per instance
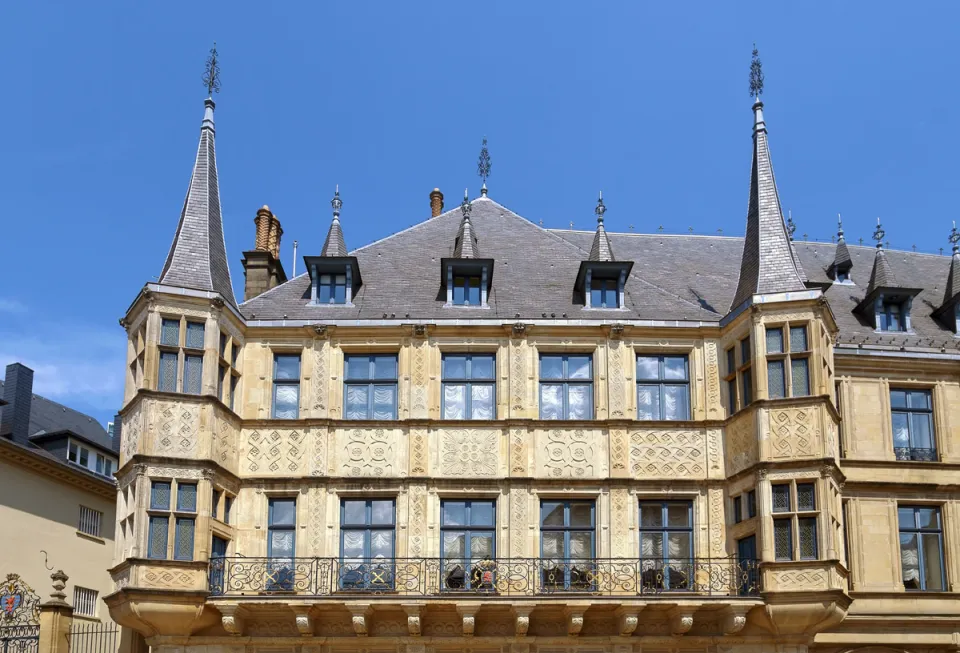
(12, 306)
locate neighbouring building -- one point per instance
(57, 499)
(481, 435)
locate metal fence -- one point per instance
(20, 639)
(93, 637)
(501, 577)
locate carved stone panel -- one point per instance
(177, 428)
(570, 453)
(741, 444)
(131, 431)
(369, 452)
(469, 452)
(617, 383)
(225, 441)
(793, 432)
(668, 454)
(275, 451)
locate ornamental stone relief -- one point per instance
(617, 382)
(667, 454)
(713, 380)
(517, 373)
(620, 520)
(132, 428)
(225, 442)
(319, 464)
(274, 451)
(418, 452)
(368, 452)
(167, 578)
(418, 381)
(178, 427)
(469, 452)
(518, 521)
(741, 441)
(793, 432)
(619, 451)
(316, 520)
(569, 454)
(418, 520)
(717, 524)
(320, 381)
(518, 453)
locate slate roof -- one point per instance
(198, 257)
(953, 279)
(881, 275)
(674, 277)
(48, 417)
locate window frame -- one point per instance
(478, 574)
(175, 518)
(730, 378)
(912, 453)
(364, 577)
(787, 357)
(371, 382)
(794, 516)
(85, 602)
(920, 531)
(745, 371)
(885, 314)
(332, 286)
(662, 383)
(465, 284)
(568, 562)
(468, 382)
(278, 383)
(565, 382)
(668, 564)
(90, 521)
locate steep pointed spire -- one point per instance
(769, 263)
(882, 275)
(198, 255)
(842, 262)
(953, 277)
(467, 245)
(601, 250)
(335, 245)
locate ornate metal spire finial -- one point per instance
(756, 74)
(791, 227)
(878, 235)
(601, 209)
(336, 202)
(955, 238)
(839, 227)
(211, 75)
(466, 206)
(484, 165)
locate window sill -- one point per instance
(92, 538)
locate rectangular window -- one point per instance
(731, 379)
(186, 497)
(281, 543)
(286, 386)
(566, 386)
(215, 504)
(157, 544)
(194, 339)
(921, 548)
(370, 386)
(469, 386)
(73, 452)
(781, 498)
(567, 540)
(170, 333)
(788, 367)
(90, 521)
(737, 510)
(663, 388)
(751, 504)
(604, 293)
(795, 527)
(160, 495)
(227, 507)
(233, 389)
(466, 291)
(890, 317)
(468, 546)
(167, 379)
(666, 545)
(84, 457)
(332, 289)
(806, 497)
(807, 531)
(192, 374)
(912, 416)
(783, 539)
(84, 601)
(367, 543)
(776, 382)
(748, 578)
(747, 387)
(183, 547)
(745, 353)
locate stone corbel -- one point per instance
(232, 618)
(519, 329)
(413, 618)
(358, 617)
(627, 620)
(468, 612)
(522, 615)
(616, 331)
(681, 619)
(574, 616)
(735, 618)
(304, 621)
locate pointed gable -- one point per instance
(601, 278)
(334, 275)
(198, 257)
(335, 245)
(881, 276)
(887, 304)
(769, 263)
(466, 277)
(466, 244)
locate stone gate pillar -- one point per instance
(56, 617)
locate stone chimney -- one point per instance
(262, 269)
(18, 394)
(436, 202)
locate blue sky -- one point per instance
(647, 102)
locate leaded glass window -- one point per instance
(666, 544)
(157, 542)
(788, 367)
(806, 496)
(183, 548)
(663, 388)
(370, 386)
(286, 386)
(167, 381)
(566, 386)
(912, 417)
(367, 543)
(160, 495)
(808, 538)
(781, 498)
(186, 497)
(468, 544)
(469, 386)
(921, 548)
(783, 539)
(795, 525)
(192, 374)
(170, 333)
(194, 338)
(567, 536)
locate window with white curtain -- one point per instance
(921, 548)
(566, 386)
(286, 386)
(467, 534)
(911, 412)
(281, 543)
(370, 386)
(469, 385)
(367, 543)
(567, 541)
(663, 388)
(666, 544)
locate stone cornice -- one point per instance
(38, 462)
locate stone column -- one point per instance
(56, 618)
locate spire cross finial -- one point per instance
(791, 227)
(756, 74)
(839, 227)
(336, 203)
(211, 74)
(955, 238)
(483, 163)
(878, 235)
(601, 209)
(465, 205)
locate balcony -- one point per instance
(509, 577)
(913, 453)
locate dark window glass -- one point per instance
(752, 503)
(286, 386)
(798, 339)
(194, 338)
(666, 544)
(912, 417)
(469, 386)
(371, 387)
(160, 495)
(783, 539)
(732, 395)
(663, 388)
(183, 545)
(891, 317)
(781, 497)
(776, 382)
(737, 510)
(806, 496)
(186, 497)
(332, 289)
(170, 333)
(731, 361)
(604, 293)
(466, 291)
(921, 548)
(566, 386)
(367, 543)
(167, 380)
(567, 535)
(192, 374)
(747, 387)
(775, 340)
(467, 544)
(745, 353)
(807, 527)
(157, 543)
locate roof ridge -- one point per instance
(277, 287)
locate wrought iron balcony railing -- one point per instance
(913, 453)
(510, 577)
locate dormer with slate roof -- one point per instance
(948, 313)
(839, 270)
(602, 278)
(334, 275)
(887, 304)
(466, 277)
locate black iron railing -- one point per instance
(502, 577)
(913, 453)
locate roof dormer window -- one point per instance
(466, 291)
(465, 277)
(334, 275)
(887, 303)
(332, 289)
(601, 277)
(892, 315)
(604, 292)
